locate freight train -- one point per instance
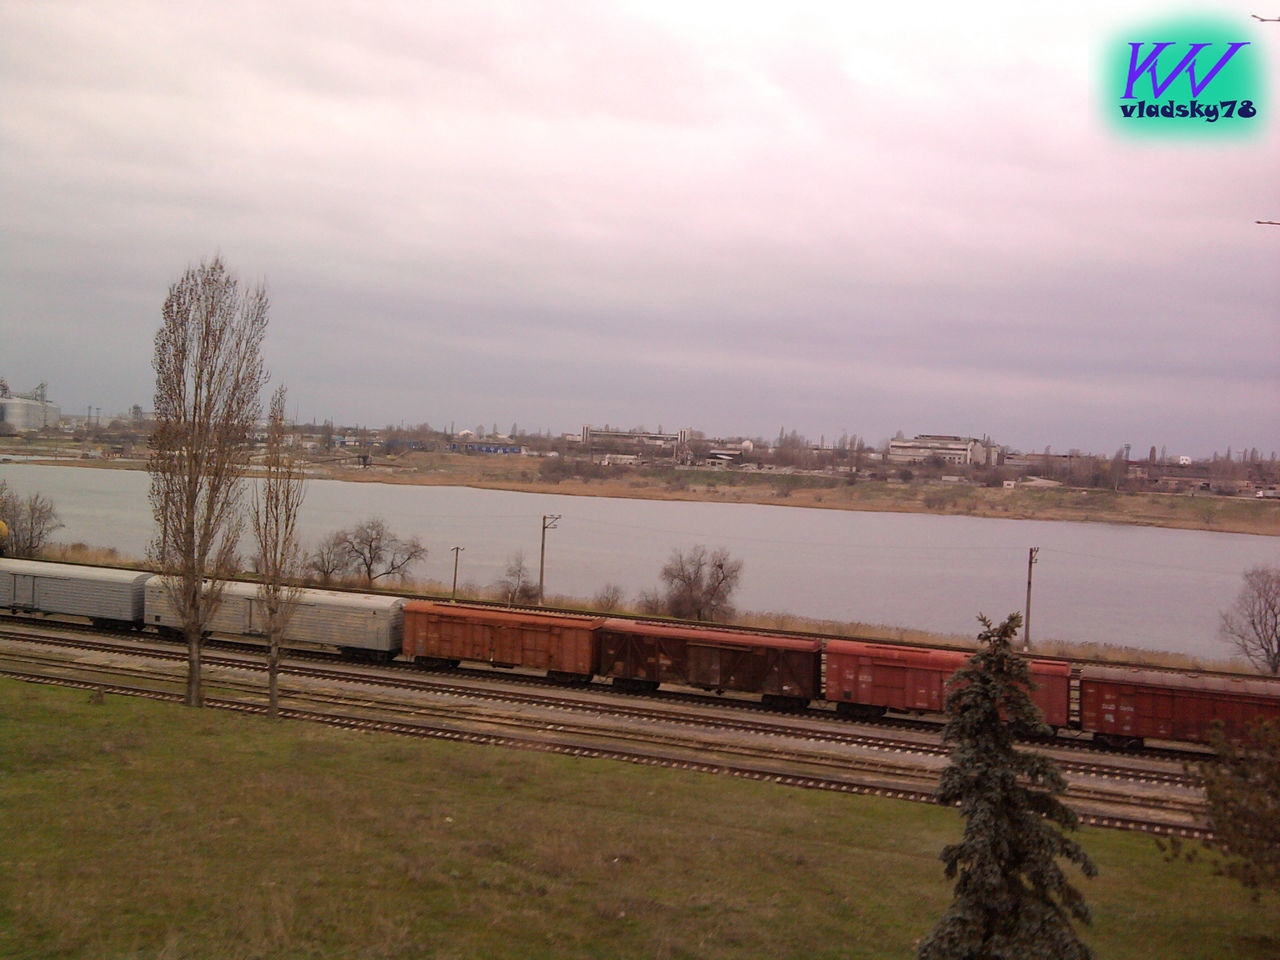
(1118, 706)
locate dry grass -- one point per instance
(760, 620)
(1111, 653)
(523, 474)
(1200, 512)
(93, 556)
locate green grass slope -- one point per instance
(131, 829)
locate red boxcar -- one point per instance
(639, 656)
(645, 654)
(866, 679)
(446, 632)
(1124, 705)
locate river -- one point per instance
(1144, 587)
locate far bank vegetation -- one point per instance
(1233, 490)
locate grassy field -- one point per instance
(130, 830)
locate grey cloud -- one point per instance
(579, 211)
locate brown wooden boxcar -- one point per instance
(1125, 705)
(445, 632)
(643, 655)
(866, 679)
(640, 656)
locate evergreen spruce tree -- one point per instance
(1012, 899)
(1242, 785)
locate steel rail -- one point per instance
(741, 771)
(627, 710)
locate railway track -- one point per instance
(762, 722)
(763, 718)
(596, 728)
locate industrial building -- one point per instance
(641, 438)
(960, 451)
(25, 412)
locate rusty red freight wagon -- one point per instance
(641, 655)
(1123, 706)
(565, 646)
(866, 679)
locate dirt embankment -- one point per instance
(1200, 512)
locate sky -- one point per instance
(733, 217)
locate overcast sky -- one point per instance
(728, 216)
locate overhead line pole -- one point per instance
(456, 550)
(548, 523)
(1026, 626)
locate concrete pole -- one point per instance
(456, 551)
(548, 523)
(1026, 620)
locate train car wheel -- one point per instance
(1026, 732)
(786, 704)
(632, 685)
(1115, 741)
(559, 676)
(433, 663)
(859, 711)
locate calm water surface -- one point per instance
(1138, 586)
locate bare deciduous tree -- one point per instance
(698, 585)
(274, 514)
(209, 375)
(608, 598)
(330, 560)
(1252, 625)
(30, 522)
(376, 552)
(516, 585)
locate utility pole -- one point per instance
(1026, 622)
(548, 523)
(456, 550)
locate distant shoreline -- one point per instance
(1209, 513)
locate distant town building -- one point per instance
(1051, 462)
(485, 446)
(592, 434)
(726, 454)
(963, 451)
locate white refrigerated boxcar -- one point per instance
(359, 623)
(100, 593)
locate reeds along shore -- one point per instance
(761, 620)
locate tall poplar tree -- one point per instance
(209, 375)
(1012, 899)
(277, 500)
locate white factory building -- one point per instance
(21, 414)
